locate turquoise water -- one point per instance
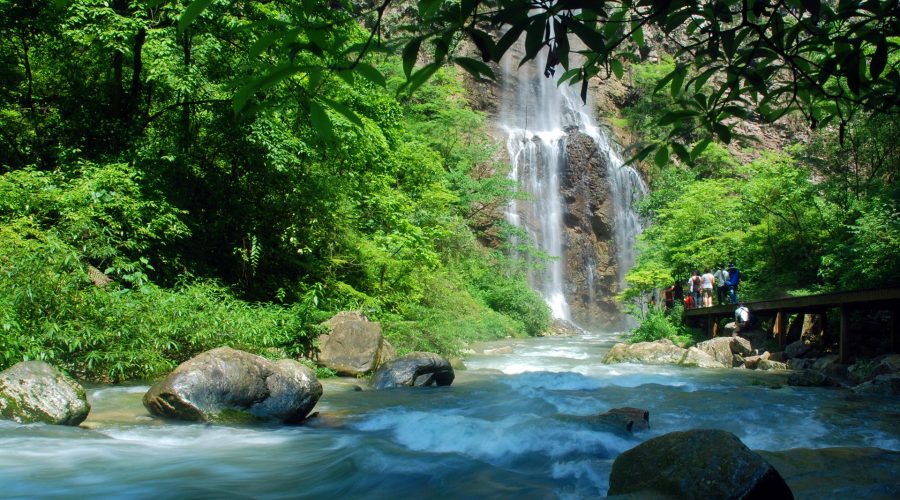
(509, 427)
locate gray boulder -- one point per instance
(699, 463)
(701, 359)
(354, 345)
(769, 364)
(808, 378)
(742, 346)
(796, 349)
(417, 369)
(227, 385)
(34, 391)
(660, 352)
(719, 348)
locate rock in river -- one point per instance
(699, 463)
(34, 391)
(354, 345)
(227, 385)
(660, 352)
(417, 369)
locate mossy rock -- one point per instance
(36, 392)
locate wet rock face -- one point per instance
(354, 345)
(34, 391)
(417, 369)
(591, 268)
(227, 385)
(699, 463)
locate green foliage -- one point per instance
(641, 286)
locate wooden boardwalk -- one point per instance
(885, 299)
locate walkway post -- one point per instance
(845, 332)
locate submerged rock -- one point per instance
(354, 345)
(227, 385)
(417, 369)
(884, 385)
(34, 391)
(660, 352)
(631, 419)
(699, 463)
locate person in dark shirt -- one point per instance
(734, 279)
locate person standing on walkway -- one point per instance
(721, 276)
(734, 279)
(708, 281)
(695, 283)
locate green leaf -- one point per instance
(534, 38)
(239, 101)
(419, 77)
(191, 12)
(427, 8)
(264, 42)
(320, 121)
(617, 68)
(371, 73)
(812, 6)
(346, 112)
(587, 34)
(410, 54)
(475, 67)
(508, 39)
(638, 34)
(677, 79)
(661, 157)
(723, 132)
(699, 148)
(879, 58)
(681, 152)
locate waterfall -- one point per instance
(538, 118)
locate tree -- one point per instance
(825, 60)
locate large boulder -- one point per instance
(417, 369)
(741, 346)
(720, 348)
(701, 359)
(353, 345)
(660, 352)
(34, 391)
(227, 385)
(699, 463)
(796, 349)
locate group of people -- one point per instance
(702, 289)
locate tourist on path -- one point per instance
(708, 281)
(695, 283)
(669, 296)
(734, 279)
(721, 284)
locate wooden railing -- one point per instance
(874, 299)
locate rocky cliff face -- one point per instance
(591, 268)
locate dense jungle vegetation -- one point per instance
(123, 159)
(178, 175)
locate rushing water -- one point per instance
(508, 427)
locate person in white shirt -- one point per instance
(708, 281)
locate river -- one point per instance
(508, 427)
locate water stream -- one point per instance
(508, 427)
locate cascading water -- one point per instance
(538, 118)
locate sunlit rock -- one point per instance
(701, 359)
(227, 385)
(353, 345)
(720, 348)
(660, 352)
(695, 464)
(417, 369)
(34, 391)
